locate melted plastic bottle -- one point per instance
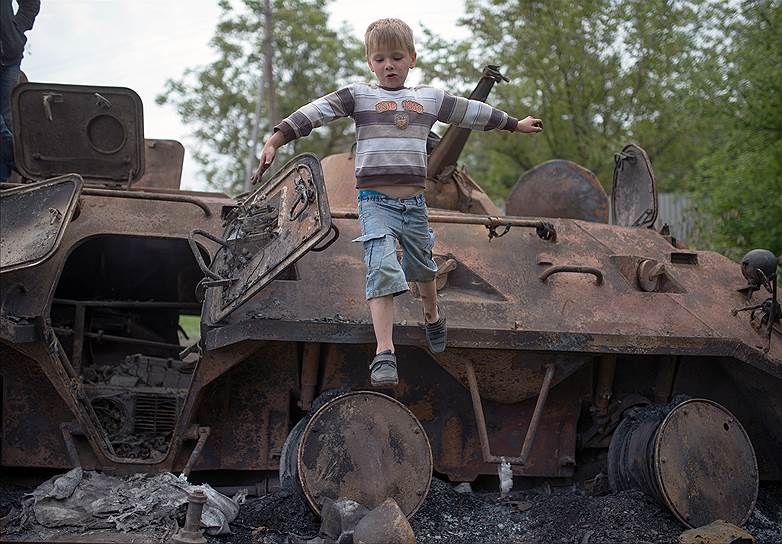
(506, 477)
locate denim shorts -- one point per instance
(386, 222)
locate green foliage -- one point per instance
(218, 100)
(191, 328)
(600, 73)
(740, 181)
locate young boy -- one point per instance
(392, 123)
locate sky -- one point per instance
(141, 43)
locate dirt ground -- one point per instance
(541, 516)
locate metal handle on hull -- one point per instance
(573, 268)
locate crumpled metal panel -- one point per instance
(96, 131)
(33, 219)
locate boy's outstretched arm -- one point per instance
(267, 155)
(300, 123)
(529, 125)
(476, 115)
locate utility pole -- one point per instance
(268, 53)
(265, 21)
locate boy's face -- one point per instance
(391, 66)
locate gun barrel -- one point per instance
(453, 141)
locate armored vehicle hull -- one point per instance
(556, 329)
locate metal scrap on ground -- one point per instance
(85, 501)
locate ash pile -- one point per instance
(546, 514)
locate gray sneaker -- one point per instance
(436, 333)
(383, 369)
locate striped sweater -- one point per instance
(392, 126)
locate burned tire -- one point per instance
(693, 457)
(289, 476)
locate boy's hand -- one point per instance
(267, 156)
(530, 125)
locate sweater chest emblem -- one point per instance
(402, 120)
(385, 105)
(411, 105)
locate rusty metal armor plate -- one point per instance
(559, 188)
(163, 160)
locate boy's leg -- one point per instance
(382, 370)
(419, 266)
(382, 310)
(434, 322)
(428, 292)
(384, 280)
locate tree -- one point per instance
(601, 73)
(739, 189)
(219, 99)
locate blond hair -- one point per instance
(389, 33)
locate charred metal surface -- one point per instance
(368, 447)
(33, 220)
(559, 188)
(122, 277)
(695, 458)
(447, 413)
(32, 413)
(95, 131)
(151, 196)
(634, 192)
(267, 232)
(480, 420)
(748, 394)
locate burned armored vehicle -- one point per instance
(572, 342)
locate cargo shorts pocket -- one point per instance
(375, 248)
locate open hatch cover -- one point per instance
(634, 194)
(33, 219)
(96, 131)
(268, 231)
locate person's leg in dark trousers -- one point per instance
(9, 75)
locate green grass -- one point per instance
(192, 326)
